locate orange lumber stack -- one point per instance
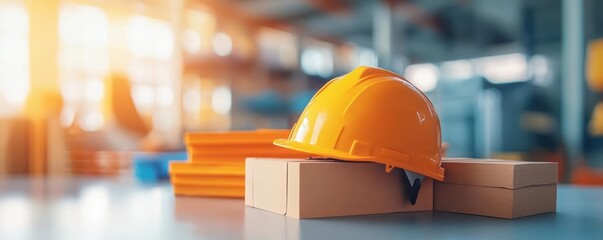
(101, 163)
(216, 165)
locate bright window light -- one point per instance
(67, 116)
(278, 48)
(222, 44)
(287, 53)
(191, 41)
(96, 62)
(541, 71)
(84, 62)
(69, 91)
(317, 61)
(150, 43)
(423, 76)
(365, 57)
(13, 18)
(504, 68)
(92, 120)
(200, 27)
(202, 20)
(457, 70)
(94, 90)
(16, 91)
(83, 25)
(191, 100)
(162, 120)
(149, 38)
(310, 61)
(164, 96)
(14, 58)
(221, 100)
(143, 96)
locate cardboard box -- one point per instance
(324, 188)
(497, 188)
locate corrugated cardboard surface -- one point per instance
(499, 173)
(323, 188)
(497, 188)
(495, 202)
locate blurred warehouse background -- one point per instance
(84, 83)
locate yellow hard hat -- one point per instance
(371, 114)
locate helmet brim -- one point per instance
(341, 155)
(320, 151)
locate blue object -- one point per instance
(152, 167)
(298, 102)
(268, 102)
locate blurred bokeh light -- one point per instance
(507, 78)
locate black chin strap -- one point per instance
(412, 190)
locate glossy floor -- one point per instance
(101, 208)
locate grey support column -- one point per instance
(383, 37)
(572, 79)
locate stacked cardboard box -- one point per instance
(216, 165)
(302, 188)
(497, 188)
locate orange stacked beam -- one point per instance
(103, 163)
(216, 165)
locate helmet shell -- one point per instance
(371, 114)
